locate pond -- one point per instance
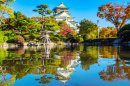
(65, 66)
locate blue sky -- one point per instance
(80, 9)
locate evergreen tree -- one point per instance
(42, 9)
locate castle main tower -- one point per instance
(61, 13)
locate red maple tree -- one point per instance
(66, 31)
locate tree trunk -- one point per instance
(3, 15)
(117, 29)
(0, 24)
(42, 21)
(30, 30)
(1, 20)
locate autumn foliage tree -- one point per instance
(114, 32)
(66, 31)
(104, 32)
(5, 8)
(116, 14)
(19, 40)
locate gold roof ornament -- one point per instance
(64, 10)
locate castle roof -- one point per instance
(67, 15)
(73, 22)
(61, 6)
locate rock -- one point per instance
(25, 44)
(117, 41)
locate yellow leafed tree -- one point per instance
(5, 8)
(105, 32)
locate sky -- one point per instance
(80, 9)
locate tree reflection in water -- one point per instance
(45, 79)
(59, 63)
(118, 71)
(108, 52)
(88, 56)
(45, 57)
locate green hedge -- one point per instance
(100, 39)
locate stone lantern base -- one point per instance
(45, 37)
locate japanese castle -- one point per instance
(61, 14)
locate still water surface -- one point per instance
(65, 66)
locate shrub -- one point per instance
(10, 36)
(75, 39)
(24, 33)
(1, 37)
(5, 38)
(55, 39)
(34, 36)
(79, 39)
(31, 37)
(27, 37)
(19, 40)
(124, 33)
(61, 37)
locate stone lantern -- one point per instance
(45, 37)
